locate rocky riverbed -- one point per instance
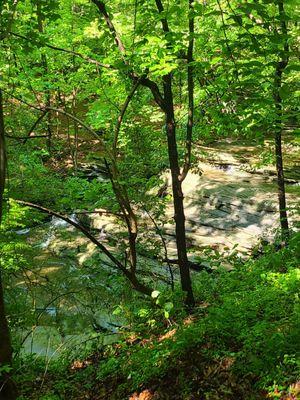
(230, 203)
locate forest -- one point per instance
(149, 199)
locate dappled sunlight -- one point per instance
(149, 200)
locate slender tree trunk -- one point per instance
(190, 86)
(280, 176)
(40, 19)
(2, 153)
(76, 134)
(281, 65)
(7, 388)
(179, 216)
(120, 190)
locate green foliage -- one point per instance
(14, 250)
(63, 55)
(250, 314)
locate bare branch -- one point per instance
(77, 226)
(25, 138)
(59, 110)
(111, 27)
(139, 286)
(158, 230)
(34, 126)
(100, 212)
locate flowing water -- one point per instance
(63, 294)
(70, 298)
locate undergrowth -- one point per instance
(242, 340)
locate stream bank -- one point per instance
(229, 205)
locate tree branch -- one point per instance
(164, 22)
(143, 80)
(129, 275)
(102, 9)
(158, 230)
(59, 110)
(25, 138)
(77, 226)
(73, 53)
(155, 92)
(35, 125)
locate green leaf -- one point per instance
(155, 294)
(292, 67)
(168, 306)
(284, 92)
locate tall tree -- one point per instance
(280, 67)
(44, 62)
(264, 40)
(7, 388)
(177, 177)
(165, 101)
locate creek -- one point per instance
(228, 205)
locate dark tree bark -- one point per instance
(33, 127)
(190, 85)
(2, 153)
(179, 216)
(178, 197)
(7, 387)
(281, 65)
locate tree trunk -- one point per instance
(281, 65)
(7, 388)
(179, 216)
(167, 106)
(190, 87)
(40, 19)
(280, 177)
